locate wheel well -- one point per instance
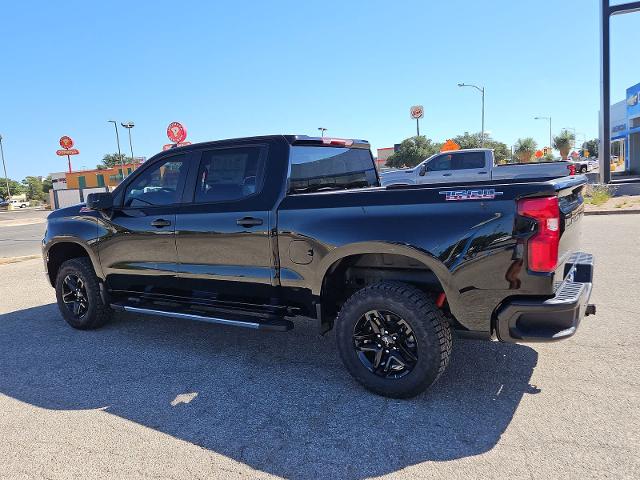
(354, 272)
(60, 253)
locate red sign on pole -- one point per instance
(416, 112)
(70, 151)
(66, 142)
(176, 132)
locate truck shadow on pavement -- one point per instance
(278, 402)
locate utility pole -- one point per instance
(4, 165)
(115, 125)
(481, 90)
(604, 149)
(129, 125)
(550, 136)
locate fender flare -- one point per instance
(93, 256)
(361, 248)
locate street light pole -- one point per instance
(115, 125)
(129, 125)
(481, 90)
(550, 136)
(322, 130)
(4, 166)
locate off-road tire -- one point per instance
(97, 313)
(430, 327)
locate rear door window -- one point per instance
(229, 174)
(469, 160)
(330, 168)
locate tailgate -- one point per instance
(570, 192)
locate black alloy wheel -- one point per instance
(74, 295)
(385, 344)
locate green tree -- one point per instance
(47, 184)
(33, 188)
(112, 159)
(592, 146)
(525, 148)
(412, 151)
(15, 187)
(473, 140)
(564, 142)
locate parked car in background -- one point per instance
(257, 232)
(472, 165)
(19, 203)
(582, 165)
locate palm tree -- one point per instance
(564, 142)
(525, 148)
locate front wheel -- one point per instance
(78, 295)
(393, 339)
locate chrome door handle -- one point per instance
(160, 222)
(249, 222)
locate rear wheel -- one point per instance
(393, 339)
(78, 295)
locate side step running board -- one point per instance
(277, 324)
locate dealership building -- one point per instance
(625, 130)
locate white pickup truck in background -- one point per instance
(474, 164)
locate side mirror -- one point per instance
(100, 201)
(423, 170)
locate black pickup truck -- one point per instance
(255, 232)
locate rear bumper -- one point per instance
(547, 320)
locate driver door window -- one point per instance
(158, 185)
(443, 162)
(438, 169)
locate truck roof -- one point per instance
(291, 139)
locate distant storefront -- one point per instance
(383, 156)
(107, 177)
(625, 129)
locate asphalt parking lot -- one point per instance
(21, 232)
(160, 398)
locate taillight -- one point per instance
(543, 245)
(337, 141)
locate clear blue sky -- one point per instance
(238, 68)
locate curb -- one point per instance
(617, 211)
(7, 260)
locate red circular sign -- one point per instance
(66, 142)
(417, 111)
(176, 132)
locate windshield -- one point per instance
(330, 168)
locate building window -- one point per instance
(128, 170)
(82, 182)
(100, 179)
